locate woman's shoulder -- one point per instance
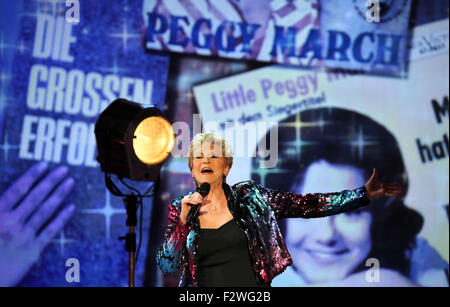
(243, 185)
(250, 186)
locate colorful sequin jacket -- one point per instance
(256, 209)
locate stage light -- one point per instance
(152, 139)
(133, 141)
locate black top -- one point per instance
(224, 260)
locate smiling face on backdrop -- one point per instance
(329, 248)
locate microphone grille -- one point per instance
(204, 189)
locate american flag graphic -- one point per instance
(268, 14)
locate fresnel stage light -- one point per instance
(133, 141)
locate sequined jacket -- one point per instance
(256, 209)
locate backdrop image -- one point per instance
(333, 125)
(57, 77)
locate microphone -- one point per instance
(203, 190)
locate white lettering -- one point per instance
(373, 274)
(73, 13)
(73, 274)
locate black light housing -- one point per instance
(133, 140)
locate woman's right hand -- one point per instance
(187, 201)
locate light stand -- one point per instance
(132, 203)
(133, 140)
(130, 238)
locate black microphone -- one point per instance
(203, 190)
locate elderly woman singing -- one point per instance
(233, 239)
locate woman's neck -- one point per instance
(216, 191)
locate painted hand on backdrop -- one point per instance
(25, 228)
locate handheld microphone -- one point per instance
(203, 190)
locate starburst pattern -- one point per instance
(360, 142)
(125, 35)
(62, 241)
(6, 147)
(107, 211)
(298, 124)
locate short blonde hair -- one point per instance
(202, 138)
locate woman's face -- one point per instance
(208, 164)
(329, 248)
